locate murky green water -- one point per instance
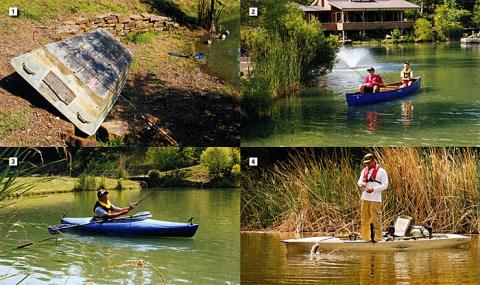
(264, 261)
(446, 112)
(211, 257)
(222, 57)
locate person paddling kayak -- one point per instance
(373, 181)
(407, 75)
(104, 210)
(372, 82)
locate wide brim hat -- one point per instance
(368, 158)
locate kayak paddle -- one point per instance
(56, 229)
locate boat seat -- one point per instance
(402, 225)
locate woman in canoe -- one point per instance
(104, 210)
(407, 75)
(373, 82)
(373, 181)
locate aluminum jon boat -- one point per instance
(131, 228)
(82, 77)
(387, 93)
(305, 245)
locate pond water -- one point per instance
(264, 261)
(222, 57)
(445, 112)
(211, 257)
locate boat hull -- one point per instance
(304, 245)
(132, 228)
(359, 99)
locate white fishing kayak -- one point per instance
(304, 245)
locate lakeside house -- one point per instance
(360, 15)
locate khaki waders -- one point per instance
(371, 213)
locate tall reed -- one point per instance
(436, 186)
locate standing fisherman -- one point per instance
(373, 181)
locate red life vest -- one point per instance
(373, 177)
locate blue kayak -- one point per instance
(387, 93)
(131, 227)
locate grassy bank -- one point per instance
(193, 176)
(437, 187)
(61, 184)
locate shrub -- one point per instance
(154, 173)
(285, 50)
(119, 185)
(217, 160)
(424, 30)
(396, 34)
(102, 184)
(145, 37)
(85, 183)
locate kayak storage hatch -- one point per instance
(133, 228)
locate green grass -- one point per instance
(145, 37)
(12, 121)
(44, 10)
(196, 173)
(60, 184)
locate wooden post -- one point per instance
(343, 37)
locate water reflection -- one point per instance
(446, 111)
(264, 258)
(211, 257)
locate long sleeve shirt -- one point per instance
(378, 186)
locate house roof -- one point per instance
(348, 5)
(313, 8)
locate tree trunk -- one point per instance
(213, 28)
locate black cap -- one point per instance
(101, 192)
(406, 62)
(371, 69)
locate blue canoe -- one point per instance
(387, 93)
(132, 228)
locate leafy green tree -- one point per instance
(218, 160)
(449, 21)
(476, 15)
(424, 30)
(162, 158)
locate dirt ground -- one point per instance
(194, 108)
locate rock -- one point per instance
(130, 25)
(69, 22)
(136, 17)
(122, 19)
(114, 129)
(81, 21)
(68, 29)
(158, 18)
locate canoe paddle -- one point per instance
(56, 229)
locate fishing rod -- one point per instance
(165, 135)
(356, 71)
(141, 200)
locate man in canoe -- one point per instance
(407, 75)
(373, 181)
(373, 82)
(104, 210)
